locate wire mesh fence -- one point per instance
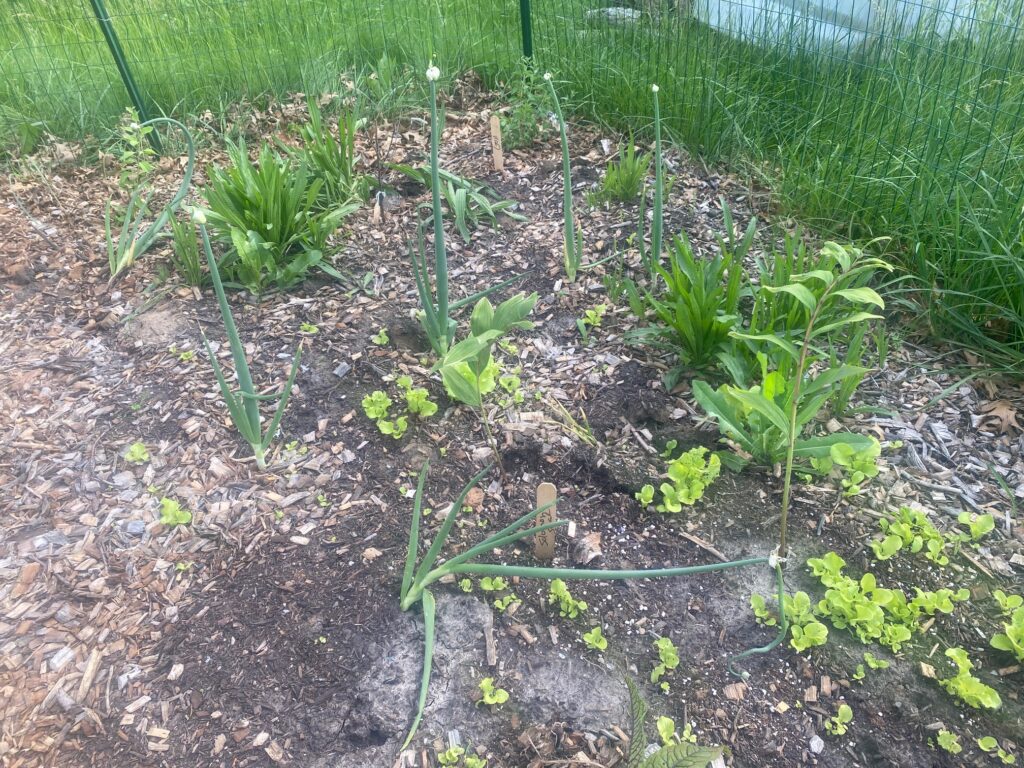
(888, 113)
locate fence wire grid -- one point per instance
(888, 113)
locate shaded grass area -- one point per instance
(918, 136)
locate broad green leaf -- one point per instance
(683, 755)
(863, 295)
(758, 402)
(800, 292)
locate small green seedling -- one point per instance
(591, 319)
(567, 606)
(965, 686)
(595, 640)
(988, 744)
(136, 454)
(376, 405)
(309, 328)
(491, 695)
(1007, 603)
(450, 756)
(172, 514)
(645, 495)
(666, 730)
(978, 526)
(466, 585)
(322, 500)
(493, 584)
(949, 742)
(1011, 639)
(838, 725)
(503, 603)
(417, 399)
(381, 338)
(668, 659)
(472, 761)
(689, 476)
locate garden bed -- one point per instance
(268, 630)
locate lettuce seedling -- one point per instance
(172, 514)
(1011, 639)
(136, 454)
(595, 640)
(965, 686)
(668, 659)
(567, 606)
(949, 742)
(491, 695)
(838, 725)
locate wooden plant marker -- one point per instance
(544, 542)
(496, 151)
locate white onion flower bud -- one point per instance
(433, 73)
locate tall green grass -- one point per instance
(918, 136)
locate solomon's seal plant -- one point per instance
(675, 752)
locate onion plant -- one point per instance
(436, 308)
(418, 576)
(244, 406)
(572, 236)
(133, 241)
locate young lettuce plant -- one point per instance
(417, 579)
(244, 406)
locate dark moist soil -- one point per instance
(294, 651)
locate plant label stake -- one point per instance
(544, 542)
(496, 151)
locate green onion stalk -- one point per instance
(416, 580)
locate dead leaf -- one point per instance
(1002, 411)
(370, 554)
(588, 548)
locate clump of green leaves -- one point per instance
(271, 214)
(910, 529)
(625, 178)
(689, 475)
(697, 305)
(331, 159)
(467, 203)
(949, 742)
(568, 607)
(591, 319)
(872, 663)
(1007, 603)
(676, 752)
(172, 514)
(185, 257)
(377, 406)
(133, 240)
(871, 612)
(417, 399)
(595, 640)
(491, 695)
(526, 120)
(805, 631)
(136, 453)
(668, 660)
(965, 686)
(135, 153)
(450, 756)
(989, 745)
(978, 526)
(381, 338)
(851, 465)
(1011, 639)
(839, 723)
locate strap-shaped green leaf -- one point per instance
(798, 291)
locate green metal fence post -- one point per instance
(526, 22)
(122, 67)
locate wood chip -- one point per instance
(735, 691)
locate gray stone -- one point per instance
(135, 527)
(816, 744)
(614, 15)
